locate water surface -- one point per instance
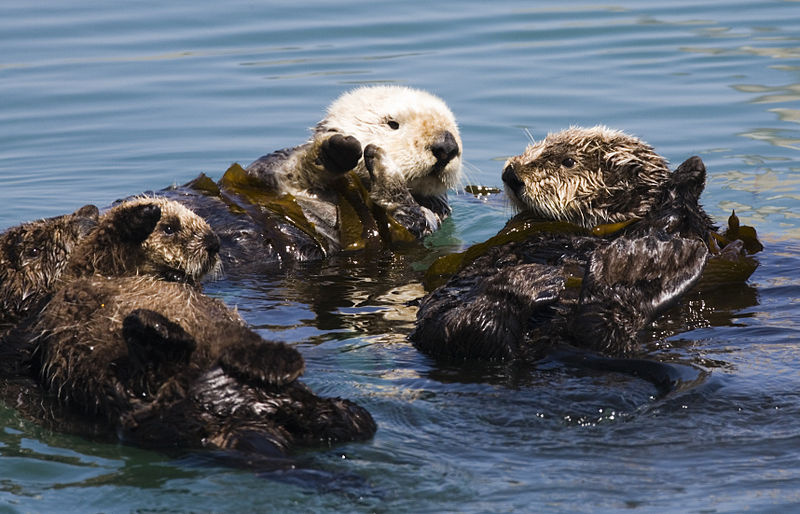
(100, 101)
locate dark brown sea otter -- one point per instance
(606, 241)
(128, 345)
(33, 256)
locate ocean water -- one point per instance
(101, 100)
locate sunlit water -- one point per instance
(100, 101)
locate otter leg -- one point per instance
(491, 323)
(629, 283)
(255, 360)
(389, 190)
(340, 154)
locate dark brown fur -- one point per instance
(166, 365)
(520, 300)
(33, 256)
(128, 345)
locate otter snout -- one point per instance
(512, 181)
(211, 244)
(445, 148)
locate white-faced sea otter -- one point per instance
(303, 203)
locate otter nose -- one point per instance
(211, 242)
(511, 179)
(445, 148)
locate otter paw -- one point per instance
(137, 222)
(373, 155)
(262, 362)
(153, 339)
(340, 154)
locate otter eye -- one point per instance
(568, 162)
(393, 124)
(32, 252)
(168, 229)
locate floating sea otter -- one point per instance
(33, 256)
(128, 345)
(303, 203)
(607, 240)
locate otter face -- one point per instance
(182, 245)
(416, 129)
(586, 176)
(33, 255)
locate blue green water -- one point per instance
(101, 100)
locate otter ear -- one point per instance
(690, 177)
(255, 360)
(629, 283)
(136, 222)
(153, 339)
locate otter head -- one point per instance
(147, 236)
(33, 255)
(416, 130)
(182, 246)
(586, 176)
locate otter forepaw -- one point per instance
(373, 156)
(340, 154)
(138, 221)
(263, 362)
(152, 339)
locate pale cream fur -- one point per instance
(365, 113)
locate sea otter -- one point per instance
(606, 241)
(304, 203)
(129, 345)
(33, 256)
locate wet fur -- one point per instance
(129, 345)
(165, 365)
(520, 300)
(33, 256)
(147, 236)
(615, 177)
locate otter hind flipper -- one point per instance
(690, 176)
(491, 324)
(154, 339)
(253, 359)
(629, 283)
